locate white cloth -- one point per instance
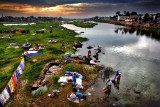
(65, 78)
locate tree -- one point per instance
(133, 13)
(118, 13)
(146, 17)
(127, 13)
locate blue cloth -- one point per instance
(1, 100)
(17, 74)
(22, 65)
(31, 54)
(74, 78)
(117, 73)
(6, 93)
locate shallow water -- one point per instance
(136, 56)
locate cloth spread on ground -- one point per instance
(31, 54)
(1, 100)
(8, 89)
(22, 65)
(17, 74)
(6, 94)
(4, 97)
(14, 80)
(20, 70)
(72, 97)
(69, 53)
(68, 73)
(65, 78)
(12, 85)
(9, 84)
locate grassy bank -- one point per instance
(83, 24)
(10, 57)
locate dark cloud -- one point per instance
(97, 7)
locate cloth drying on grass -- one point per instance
(68, 73)
(31, 54)
(66, 78)
(72, 97)
(69, 53)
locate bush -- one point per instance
(71, 67)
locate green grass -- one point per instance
(5, 76)
(83, 24)
(51, 51)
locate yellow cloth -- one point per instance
(12, 84)
(23, 60)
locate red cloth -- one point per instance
(27, 54)
(20, 31)
(14, 80)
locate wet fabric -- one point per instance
(1, 100)
(17, 74)
(22, 65)
(31, 54)
(12, 84)
(6, 94)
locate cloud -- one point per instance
(77, 8)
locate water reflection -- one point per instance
(140, 32)
(134, 52)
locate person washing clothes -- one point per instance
(109, 83)
(89, 54)
(74, 78)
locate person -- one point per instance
(96, 54)
(62, 43)
(118, 78)
(109, 83)
(89, 54)
(74, 78)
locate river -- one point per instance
(136, 56)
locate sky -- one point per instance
(75, 8)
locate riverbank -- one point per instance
(83, 24)
(143, 26)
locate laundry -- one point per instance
(68, 73)
(14, 80)
(3, 96)
(1, 100)
(22, 65)
(6, 94)
(17, 74)
(81, 95)
(72, 97)
(8, 89)
(12, 85)
(69, 53)
(20, 70)
(31, 54)
(66, 78)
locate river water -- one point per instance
(136, 56)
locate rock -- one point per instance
(34, 60)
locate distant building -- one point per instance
(122, 18)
